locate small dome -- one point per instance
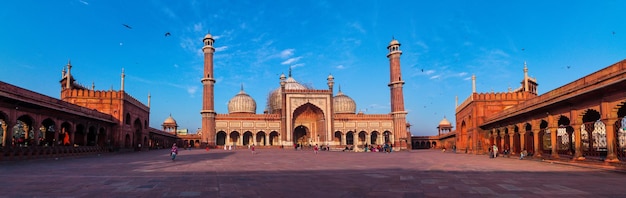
(444, 122)
(242, 103)
(343, 104)
(394, 42)
(208, 36)
(169, 121)
(275, 101)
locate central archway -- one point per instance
(310, 117)
(301, 135)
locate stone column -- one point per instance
(5, 134)
(73, 136)
(501, 142)
(611, 155)
(538, 147)
(492, 140)
(578, 145)
(368, 139)
(494, 136)
(55, 139)
(522, 140)
(254, 139)
(511, 139)
(343, 138)
(553, 142)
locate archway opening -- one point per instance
(350, 138)
(234, 138)
(373, 138)
(337, 138)
(46, 137)
(301, 136)
(260, 139)
(564, 136)
(138, 133)
(593, 135)
(23, 131)
(312, 117)
(79, 135)
(247, 138)
(274, 140)
(221, 138)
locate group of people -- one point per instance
(387, 148)
(493, 152)
(315, 147)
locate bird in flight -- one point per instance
(127, 26)
(167, 34)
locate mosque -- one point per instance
(297, 114)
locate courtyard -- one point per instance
(289, 173)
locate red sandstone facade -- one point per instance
(84, 120)
(584, 119)
(297, 115)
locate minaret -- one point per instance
(208, 96)
(69, 74)
(330, 117)
(473, 83)
(399, 135)
(149, 97)
(283, 105)
(123, 75)
(525, 77)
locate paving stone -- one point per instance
(288, 173)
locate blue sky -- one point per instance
(443, 44)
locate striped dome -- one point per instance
(275, 101)
(242, 103)
(343, 103)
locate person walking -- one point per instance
(316, 148)
(252, 149)
(495, 151)
(174, 151)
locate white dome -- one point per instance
(169, 121)
(444, 122)
(242, 103)
(343, 104)
(275, 101)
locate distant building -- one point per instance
(584, 119)
(182, 131)
(83, 117)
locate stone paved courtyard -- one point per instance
(289, 173)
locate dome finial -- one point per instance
(241, 86)
(289, 70)
(339, 88)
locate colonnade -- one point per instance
(603, 138)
